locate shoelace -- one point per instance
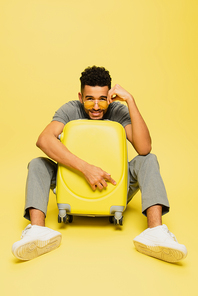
(170, 233)
(26, 230)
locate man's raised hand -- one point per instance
(118, 93)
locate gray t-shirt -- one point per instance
(74, 110)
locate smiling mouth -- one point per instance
(96, 112)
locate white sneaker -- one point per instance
(159, 242)
(35, 241)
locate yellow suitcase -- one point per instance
(103, 144)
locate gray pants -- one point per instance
(144, 174)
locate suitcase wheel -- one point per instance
(121, 221)
(62, 219)
(114, 221)
(65, 219)
(111, 219)
(70, 218)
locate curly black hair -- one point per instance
(95, 76)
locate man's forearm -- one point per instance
(137, 132)
(54, 149)
(141, 139)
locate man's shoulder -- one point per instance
(70, 107)
(118, 112)
(117, 107)
(71, 104)
(69, 111)
(115, 104)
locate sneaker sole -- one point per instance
(36, 248)
(160, 252)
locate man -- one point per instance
(97, 100)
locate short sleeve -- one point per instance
(120, 113)
(70, 111)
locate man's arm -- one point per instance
(48, 142)
(137, 132)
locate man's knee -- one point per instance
(42, 166)
(149, 158)
(36, 163)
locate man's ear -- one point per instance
(80, 97)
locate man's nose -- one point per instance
(96, 107)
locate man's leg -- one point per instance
(154, 216)
(156, 240)
(37, 217)
(41, 177)
(144, 174)
(37, 239)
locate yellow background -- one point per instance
(150, 48)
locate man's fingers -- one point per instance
(108, 177)
(111, 97)
(103, 183)
(93, 187)
(112, 181)
(109, 100)
(98, 178)
(100, 186)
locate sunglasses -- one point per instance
(89, 104)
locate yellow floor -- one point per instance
(95, 257)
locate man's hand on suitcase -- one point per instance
(96, 177)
